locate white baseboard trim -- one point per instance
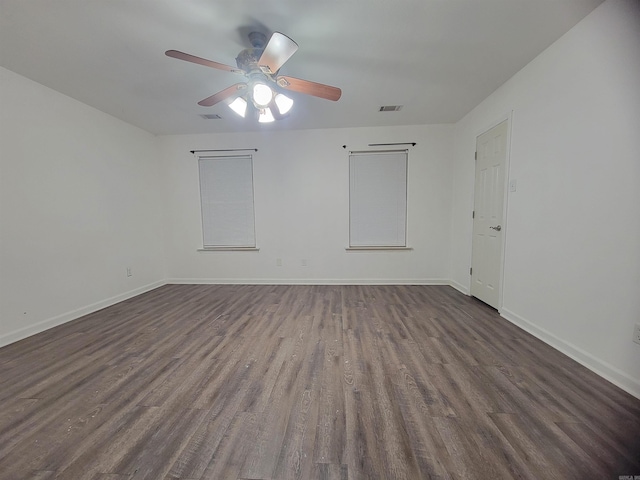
(30, 330)
(605, 370)
(309, 281)
(458, 286)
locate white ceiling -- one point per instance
(438, 58)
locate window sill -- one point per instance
(365, 249)
(229, 249)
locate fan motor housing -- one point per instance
(247, 59)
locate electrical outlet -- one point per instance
(303, 262)
(129, 273)
(636, 334)
(278, 262)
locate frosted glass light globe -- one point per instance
(239, 105)
(265, 116)
(262, 94)
(284, 103)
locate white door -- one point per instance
(491, 156)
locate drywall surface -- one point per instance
(572, 255)
(301, 185)
(79, 204)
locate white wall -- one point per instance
(79, 203)
(572, 260)
(301, 182)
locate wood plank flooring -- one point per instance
(307, 382)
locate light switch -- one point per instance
(513, 184)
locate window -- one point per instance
(378, 199)
(226, 197)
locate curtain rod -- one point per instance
(351, 152)
(413, 144)
(227, 150)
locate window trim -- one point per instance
(227, 248)
(380, 247)
(374, 249)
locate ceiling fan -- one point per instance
(262, 91)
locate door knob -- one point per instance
(497, 229)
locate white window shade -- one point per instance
(226, 195)
(378, 199)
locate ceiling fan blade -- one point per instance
(222, 95)
(277, 52)
(201, 61)
(310, 88)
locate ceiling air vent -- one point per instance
(390, 108)
(211, 116)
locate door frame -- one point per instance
(508, 117)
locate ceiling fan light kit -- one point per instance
(283, 103)
(239, 105)
(265, 116)
(261, 92)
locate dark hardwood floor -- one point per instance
(308, 382)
